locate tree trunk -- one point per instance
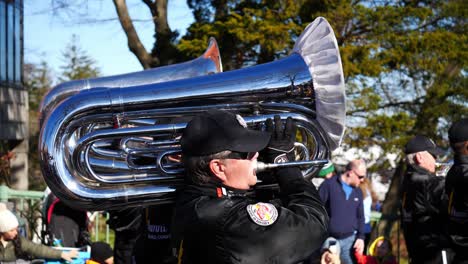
(391, 205)
(134, 42)
(163, 48)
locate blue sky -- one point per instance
(46, 35)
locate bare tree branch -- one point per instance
(387, 105)
(134, 42)
(149, 4)
(107, 20)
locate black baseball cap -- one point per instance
(218, 130)
(458, 132)
(423, 143)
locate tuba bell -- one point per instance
(92, 165)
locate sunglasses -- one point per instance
(241, 155)
(359, 176)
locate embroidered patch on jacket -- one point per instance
(263, 214)
(281, 159)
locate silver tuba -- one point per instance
(208, 63)
(82, 153)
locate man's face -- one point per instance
(240, 173)
(428, 161)
(359, 174)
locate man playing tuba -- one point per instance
(215, 220)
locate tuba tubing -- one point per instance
(208, 63)
(308, 83)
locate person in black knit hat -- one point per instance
(101, 253)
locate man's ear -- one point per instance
(217, 168)
(418, 158)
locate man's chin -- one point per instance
(254, 180)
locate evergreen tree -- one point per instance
(404, 62)
(248, 32)
(77, 64)
(38, 80)
(405, 66)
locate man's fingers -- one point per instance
(278, 127)
(290, 129)
(269, 125)
(359, 246)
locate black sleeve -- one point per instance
(301, 197)
(436, 192)
(126, 223)
(125, 219)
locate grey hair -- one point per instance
(197, 168)
(410, 159)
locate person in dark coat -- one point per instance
(126, 223)
(66, 226)
(422, 214)
(457, 190)
(217, 222)
(154, 242)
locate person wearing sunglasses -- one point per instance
(217, 221)
(422, 217)
(344, 202)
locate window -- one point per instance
(18, 42)
(11, 38)
(2, 41)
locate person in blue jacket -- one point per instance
(344, 203)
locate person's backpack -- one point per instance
(63, 225)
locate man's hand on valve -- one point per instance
(281, 146)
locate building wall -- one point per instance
(13, 95)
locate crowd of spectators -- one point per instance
(215, 220)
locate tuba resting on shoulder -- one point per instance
(105, 148)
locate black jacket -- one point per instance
(457, 191)
(422, 211)
(213, 225)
